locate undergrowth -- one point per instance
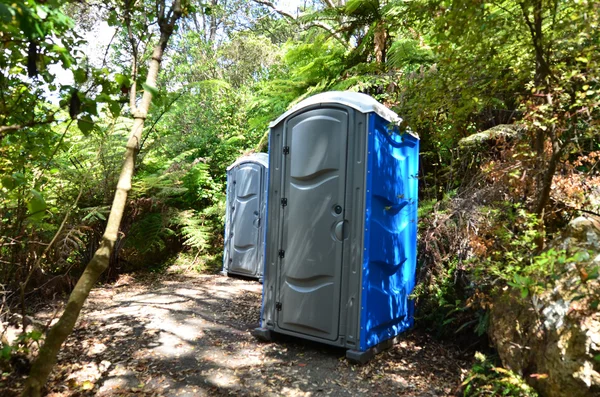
(486, 378)
(482, 237)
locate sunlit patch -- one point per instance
(223, 379)
(97, 348)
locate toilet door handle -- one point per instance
(341, 230)
(256, 220)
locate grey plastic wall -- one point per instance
(245, 216)
(316, 302)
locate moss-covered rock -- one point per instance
(552, 338)
(501, 131)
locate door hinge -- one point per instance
(278, 306)
(283, 202)
(286, 150)
(281, 254)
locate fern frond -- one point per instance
(407, 52)
(148, 233)
(71, 241)
(192, 229)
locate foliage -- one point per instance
(448, 302)
(26, 142)
(450, 68)
(482, 239)
(195, 234)
(44, 124)
(21, 345)
(487, 379)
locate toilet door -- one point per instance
(312, 223)
(245, 220)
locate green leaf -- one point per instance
(35, 335)
(80, 76)
(122, 80)
(86, 124)
(524, 292)
(5, 352)
(5, 13)
(36, 205)
(107, 88)
(8, 182)
(112, 20)
(115, 109)
(152, 90)
(90, 107)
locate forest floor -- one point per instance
(186, 334)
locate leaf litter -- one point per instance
(190, 335)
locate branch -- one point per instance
(328, 3)
(329, 29)
(528, 22)
(38, 261)
(277, 9)
(55, 150)
(7, 128)
(108, 46)
(16, 127)
(174, 14)
(133, 88)
(509, 12)
(165, 110)
(302, 26)
(160, 10)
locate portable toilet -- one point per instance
(342, 224)
(245, 214)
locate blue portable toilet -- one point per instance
(244, 216)
(341, 224)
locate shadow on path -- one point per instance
(189, 335)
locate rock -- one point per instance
(17, 320)
(553, 339)
(501, 131)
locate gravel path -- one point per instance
(189, 335)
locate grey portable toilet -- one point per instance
(244, 216)
(341, 224)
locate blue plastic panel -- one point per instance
(390, 233)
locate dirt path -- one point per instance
(189, 335)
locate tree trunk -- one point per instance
(213, 23)
(47, 357)
(380, 40)
(558, 149)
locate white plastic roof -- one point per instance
(361, 102)
(261, 158)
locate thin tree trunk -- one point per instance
(213, 24)
(47, 356)
(558, 149)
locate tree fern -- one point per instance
(163, 186)
(406, 53)
(148, 233)
(192, 229)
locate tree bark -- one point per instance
(380, 41)
(47, 356)
(546, 168)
